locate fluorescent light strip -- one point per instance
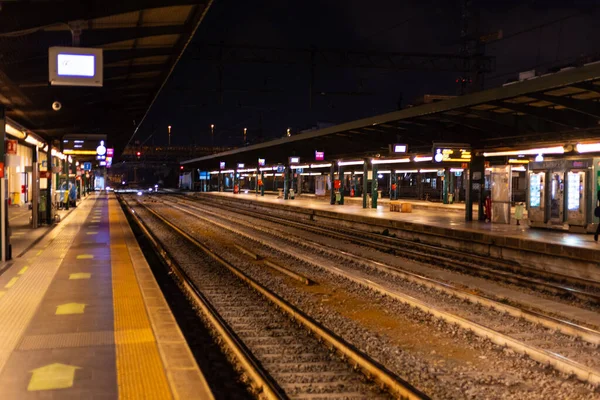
(358, 173)
(384, 172)
(214, 172)
(320, 165)
(268, 175)
(390, 161)
(268, 169)
(11, 130)
(315, 173)
(299, 166)
(407, 171)
(545, 150)
(422, 158)
(587, 147)
(345, 163)
(227, 171)
(456, 170)
(520, 168)
(424, 171)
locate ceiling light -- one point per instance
(587, 147)
(390, 161)
(344, 163)
(545, 150)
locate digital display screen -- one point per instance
(319, 155)
(294, 160)
(399, 148)
(573, 188)
(261, 162)
(535, 196)
(83, 65)
(222, 165)
(240, 165)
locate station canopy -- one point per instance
(141, 40)
(552, 109)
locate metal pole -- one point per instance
(286, 182)
(343, 181)
(374, 187)
(35, 192)
(365, 181)
(49, 188)
(331, 177)
(4, 228)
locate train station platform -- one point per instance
(539, 248)
(83, 317)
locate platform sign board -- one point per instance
(222, 165)
(241, 165)
(87, 166)
(261, 162)
(110, 152)
(451, 152)
(280, 169)
(75, 66)
(398, 148)
(319, 155)
(204, 175)
(294, 160)
(109, 162)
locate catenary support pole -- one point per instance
(365, 181)
(332, 178)
(343, 183)
(374, 187)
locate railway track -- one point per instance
(283, 352)
(559, 362)
(556, 284)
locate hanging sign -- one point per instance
(261, 162)
(319, 155)
(222, 165)
(398, 148)
(294, 160)
(451, 152)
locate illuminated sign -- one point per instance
(261, 162)
(451, 153)
(87, 166)
(294, 160)
(399, 148)
(319, 155)
(280, 168)
(110, 152)
(75, 66)
(222, 165)
(241, 165)
(102, 163)
(101, 150)
(108, 162)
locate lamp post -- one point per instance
(169, 127)
(289, 133)
(245, 130)
(212, 135)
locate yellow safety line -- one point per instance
(140, 371)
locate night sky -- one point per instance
(537, 35)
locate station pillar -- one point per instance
(446, 185)
(4, 228)
(262, 187)
(374, 187)
(343, 183)
(332, 179)
(365, 181)
(35, 190)
(475, 184)
(286, 181)
(393, 180)
(49, 168)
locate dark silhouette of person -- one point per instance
(597, 206)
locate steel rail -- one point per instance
(259, 379)
(559, 362)
(423, 256)
(370, 368)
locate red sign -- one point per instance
(319, 155)
(110, 152)
(45, 174)
(337, 183)
(11, 146)
(1, 170)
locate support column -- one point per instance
(343, 183)
(35, 190)
(4, 227)
(332, 177)
(374, 187)
(392, 183)
(474, 184)
(49, 186)
(365, 181)
(451, 187)
(446, 185)
(286, 183)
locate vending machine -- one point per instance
(576, 198)
(556, 195)
(537, 198)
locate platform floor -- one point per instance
(81, 316)
(434, 217)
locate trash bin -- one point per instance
(338, 197)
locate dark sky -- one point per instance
(537, 34)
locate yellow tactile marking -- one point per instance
(2, 293)
(70, 308)
(12, 282)
(80, 275)
(85, 256)
(52, 376)
(23, 270)
(91, 233)
(140, 371)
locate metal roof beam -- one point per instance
(587, 107)
(557, 117)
